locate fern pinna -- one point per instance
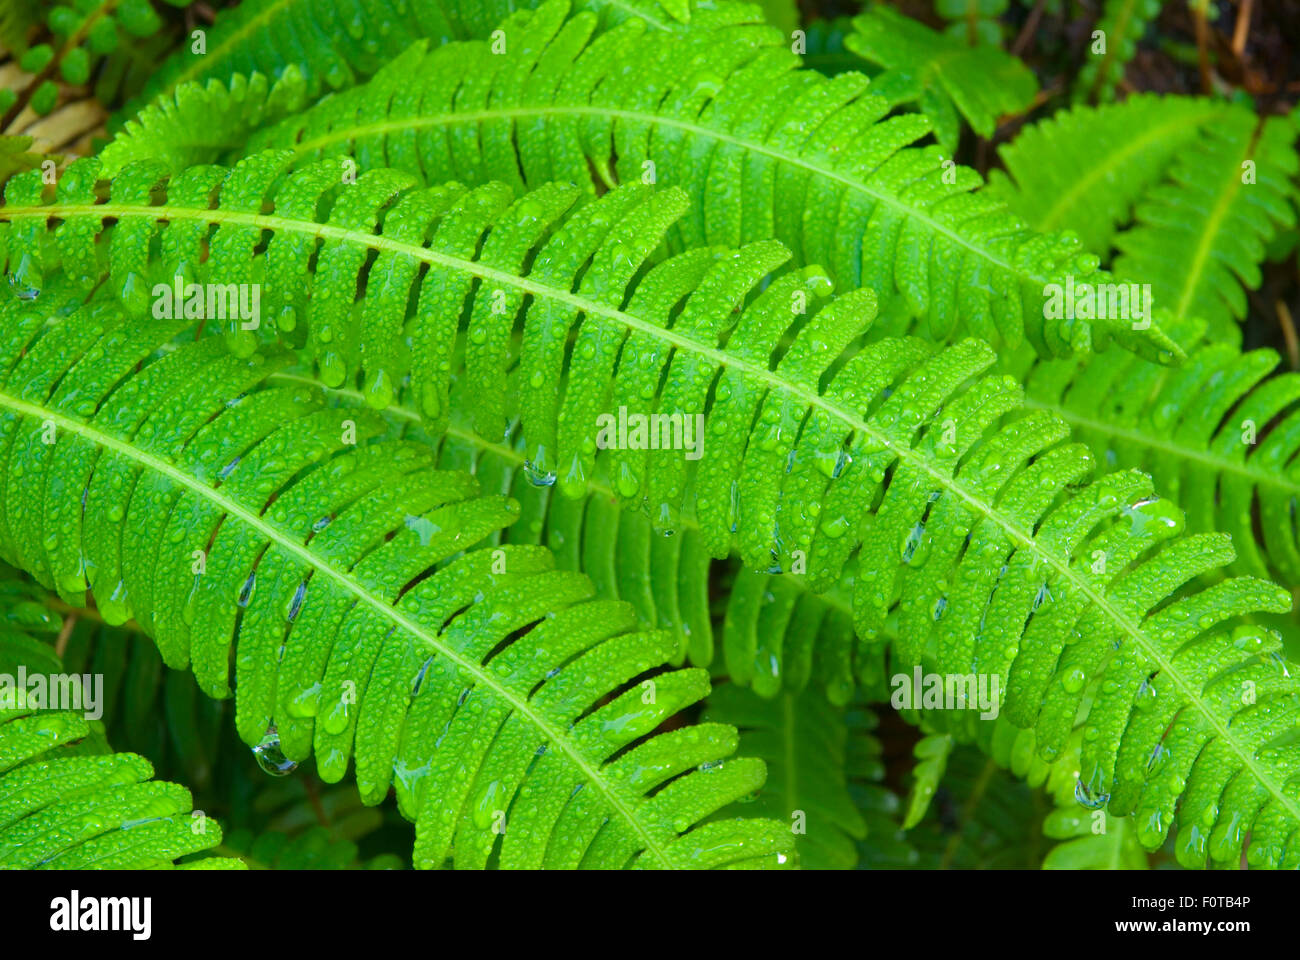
(67, 801)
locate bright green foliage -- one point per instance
(1201, 233)
(334, 44)
(1218, 433)
(1097, 839)
(774, 631)
(1086, 168)
(474, 685)
(942, 74)
(66, 801)
(931, 762)
(811, 759)
(1122, 25)
(952, 491)
(983, 818)
(756, 146)
(62, 812)
(390, 517)
(323, 192)
(973, 22)
(25, 624)
(196, 123)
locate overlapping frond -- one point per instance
(66, 801)
(333, 44)
(762, 148)
(1202, 232)
(255, 527)
(811, 760)
(944, 75)
(62, 811)
(1112, 45)
(197, 122)
(1086, 168)
(965, 520)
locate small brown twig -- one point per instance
(1027, 31)
(1242, 28)
(61, 644)
(1288, 334)
(1202, 44)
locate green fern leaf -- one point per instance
(90, 811)
(1113, 44)
(1055, 184)
(811, 760)
(198, 123)
(899, 219)
(333, 44)
(945, 76)
(66, 802)
(273, 519)
(972, 576)
(1220, 433)
(1201, 234)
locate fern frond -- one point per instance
(943, 75)
(1095, 838)
(976, 509)
(775, 634)
(811, 161)
(1086, 168)
(100, 811)
(66, 802)
(1121, 27)
(334, 45)
(1221, 433)
(811, 760)
(1201, 234)
(329, 570)
(198, 123)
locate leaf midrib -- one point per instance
(1153, 441)
(1055, 214)
(653, 119)
(377, 603)
(771, 379)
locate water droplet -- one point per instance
(270, 757)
